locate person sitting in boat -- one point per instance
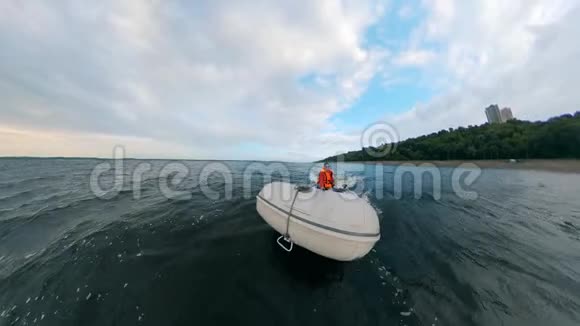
(326, 177)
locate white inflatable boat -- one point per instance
(333, 224)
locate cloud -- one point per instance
(521, 54)
(264, 80)
(415, 58)
(209, 76)
(33, 143)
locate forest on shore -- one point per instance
(556, 138)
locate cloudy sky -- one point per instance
(283, 80)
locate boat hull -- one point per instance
(317, 235)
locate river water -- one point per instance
(203, 256)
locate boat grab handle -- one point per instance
(286, 236)
(281, 244)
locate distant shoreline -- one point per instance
(553, 165)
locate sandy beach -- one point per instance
(563, 166)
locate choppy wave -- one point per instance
(69, 258)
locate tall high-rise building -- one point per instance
(493, 114)
(506, 114)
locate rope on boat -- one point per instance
(286, 236)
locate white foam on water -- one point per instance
(349, 181)
(378, 210)
(405, 313)
(313, 175)
(126, 284)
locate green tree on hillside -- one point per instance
(559, 137)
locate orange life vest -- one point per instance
(325, 179)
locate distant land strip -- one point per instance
(543, 145)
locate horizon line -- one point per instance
(146, 159)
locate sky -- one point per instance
(273, 80)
